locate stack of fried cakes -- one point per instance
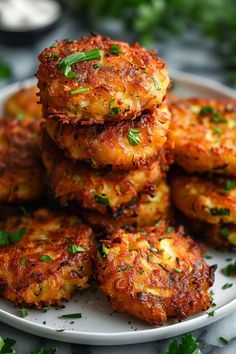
(204, 131)
(105, 133)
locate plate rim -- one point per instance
(126, 337)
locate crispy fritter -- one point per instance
(102, 190)
(21, 170)
(123, 145)
(51, 261)
(154, 274)
(122, 84)
(144, 211)
(204, 132)
(208, 198)
(23, 105)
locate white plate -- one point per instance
(99, 325)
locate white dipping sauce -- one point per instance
(21, 15)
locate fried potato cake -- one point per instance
(154, 274)
(96, 79)
(204, 132)
(44, 258)
(24, 105)
(21, 169)
(123, 145)
(144, 211)
(102, 190)
(209, 198)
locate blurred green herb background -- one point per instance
(149, 19)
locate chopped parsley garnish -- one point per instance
(178, 271)
(227, 286)
(52, 56)
(46, 309)
(103, 250)
(46, 258)
(114, 111)
(133, 138)
(11, 237)
(112, 101)
(95, 66)
(211, 314)
(6, 345)
(71, 315)
(207, 256)
(66, 63)
(23, 312)
(217, 131)
(75, 249)
(229, 270)
(218, 119)
(5, 70)
(102, 200)
(170, 229)
(23, 261)
(224, 340)
(224, 232)
(206, 110)
(229, 185)
(115, 49)
(187, 345)
(219, 211)
(81, 90)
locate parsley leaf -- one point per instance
(133, 138)
(6, 345)
(5, 70)
(206, 110)
(23, 312)
(115, 49)
(227, 286)
(219, 211)
(114, 111)
(75, 249)
(23, 261)
(188, 345)
(46, 258)
(71, 315)
(229, 269)
(103, 250)
(224, 232)
(11, 237)
(229, 185)
(102, 200)
(81, 90)
(224, 340)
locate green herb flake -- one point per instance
(115, 49)
(7, 238)
(6, 345)
(114, 111)
(23, 261)
(224, 232)
(206, 110)
(229, 270)
(71, 316)
(103, 250)
(170, 229)
(217, 131)
(227, 286)
(224, 340)
(96, 66)
(207, 256)
(46, 258)
(52, 56)
(81, 90)
(133, 138)
(112, 101)
(75, 249)
(102, 200)
(66, 63)
(219, 211)
(5, 70)
(229, 186)
(218, 119)
(178, 271)
(211, 314)
(46, 309)
(23, 312)
(187, 345)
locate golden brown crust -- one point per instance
(204, 132)
(28, 280)
(110, 144)
(24, 105)
(133, 81)
(102, 190)
(211, 199)
(144, 211)
(21, 170)
(154, 274)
